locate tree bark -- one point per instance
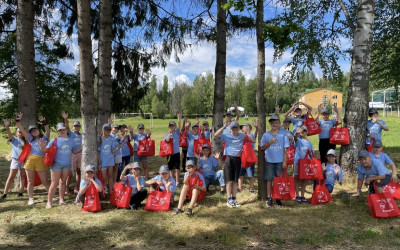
(220, 73)
(356, 113)
(89, 152)
(27, 94)
(104, 88)
(260, 96)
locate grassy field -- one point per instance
(344, 223)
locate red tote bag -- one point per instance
(36, 182)
(339, 136)
(321, 194)
(195, 179)
(198, 145)
(100, 176)
(92, 200)
(290, 155)
(283, 187)
(121, 195)
(130, 146)
(183, 140)
(248, 157)
(312, 125)
(25, 152)
(382, 205)
(310, 169)
(49, 157)
(146, 148)
(167, 148)
(158, 201)
(393, 188)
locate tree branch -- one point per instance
(346, 13)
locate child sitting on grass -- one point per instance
(85, 184)
(139, 193)
(208, 166)
(164, 182)
(194, 188)
(332, 171)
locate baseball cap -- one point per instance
(296, 108)
(377, 144)
(228, 113)
(140, 125)
(372, 111)
(331, 152)
(107, 126)
(90, 168)
(115, 126)
(32, 127)
(246, 124)
(136, 165)
(190, 163)
(274, 117)
(195, 125)
(325, 110)
(206, 146)
(205, 122)
(171, 123)
(164, 169)
(123, 126)
(287, 120)
(234, 125)
(363, 154)
(76, 123)
(60, 126)
(305, 127)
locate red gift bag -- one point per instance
(100, 176)
(393, 188)
(25, 152)
(312, 125)
(248, 157)
(92, 200)
(283, 187)
(339, 136)
(130, 146)
(321, 194)
(146, 148)
(195, 179)
(49, 157)
(198, 145)
(223, 150)
(310, 169)
(36, 182)
(183, 140)
(167, 148)
(158, 201)
(290, 155)
(382, 205)
(121, 195)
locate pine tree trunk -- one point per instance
(220, 72)
(104, 88)
(260, 96)
(89, 153)
(27, 94)
(356, 113)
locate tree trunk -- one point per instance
(27, 94)
(104, 88)
(89, 153)
(355, 118)
(220, 72)
(260, 96)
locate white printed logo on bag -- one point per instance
(284, 188)
(385, 205)
(157, 201)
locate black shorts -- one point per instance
(232, 168)
(174, 161)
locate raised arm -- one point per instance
(339, 117)
(18, 118)
(309, 108)
(319, 112)
(7, 126)
(255, 124)
(219, 131)
(42, 121)
(290, 110)
(179, 120)
(66, 121)
(237, 111)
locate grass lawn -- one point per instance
(343, 223)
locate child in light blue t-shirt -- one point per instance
(134, 180)
(332, 171)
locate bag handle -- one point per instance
(309, 155)
(286, 172)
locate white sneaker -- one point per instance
(230, 204)
(48, 205)
(236, 203)
(54, 199)
(31, 202)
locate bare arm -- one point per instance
(179, 120)
(19, 125)
(66, 121)
(219, 131)
(290, 110)
(7, 126)
(237, 111)
(339, 118)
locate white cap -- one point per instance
(331, 152)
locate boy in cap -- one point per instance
(175, 159)
(377, 154)
(209, 165)
(134, 180)
(193, 189)
(139, 136)
(374, 127)
(88, 178)
(205, 129)
(275, 144)
(332, 171)
(164, 182)
(298, 117)
(191, 136)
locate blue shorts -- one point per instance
(138, 158)
(59, 167)
(249, 171)
(272, 170)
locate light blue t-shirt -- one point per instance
(301, 147)
(125, 149)
(83, 183)
(138, 137)
(133, 184)
(227, 129)
(172, 187)
(383, 157)
(375, 130)
(190, 139)
(17, 145)
(207, 133)
(77, 138)
(208, 167)
(106, 148)
(377, 168)
(175, 138)
(119, 141)
(326, 128)
(296, 123)
(65, 148)
(233, 145)
(201, 177)
(331, 176)
(286, 132)
(36, 150)
(276, 151)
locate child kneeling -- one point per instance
(194, 188)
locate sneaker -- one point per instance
(3, 197)
(279, 203)
(62, 202)
(269, 202)
(20, 194)
(222, 192)
(31, 202)
(303, 199)
(177, 211)
(48, 205)
(298, 199)
(189, 212)
(54, 199)
(252, 191)
(230, 203)
(237, 204)
(133, 207)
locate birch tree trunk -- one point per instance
(27, 94)
(89, 152)
(104, 88)
(356, 113)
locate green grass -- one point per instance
(344, 223)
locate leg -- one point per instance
(137, 198)
(177, 172)
(22, 180)
(77, 179)
(68, 181)
(195, 195)
(296, 185)
(55, 179)
(30, 174)
(10, 180)
(234, 186)
(110, 177)
(303, 187)
(220, 178)
(269, 189)
(43, 179)
(229, 189)
(115, 172)
(182, 197)
(250, 174)
(146, 170)
(105, 177)
(64, 175)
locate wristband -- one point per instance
(17, 120)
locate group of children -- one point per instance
(201, 170)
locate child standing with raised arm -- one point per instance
(174, 159)
(139, 136)
(298, 116)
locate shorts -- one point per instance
(117, 159)
(272, 170)
(174, 161)
(16, 165)
(249, 171)
(35, 163)
(76, 161)
(138, 158)
(232, 168)
(59, 167)
(384, 181)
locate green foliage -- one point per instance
(158, 108)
